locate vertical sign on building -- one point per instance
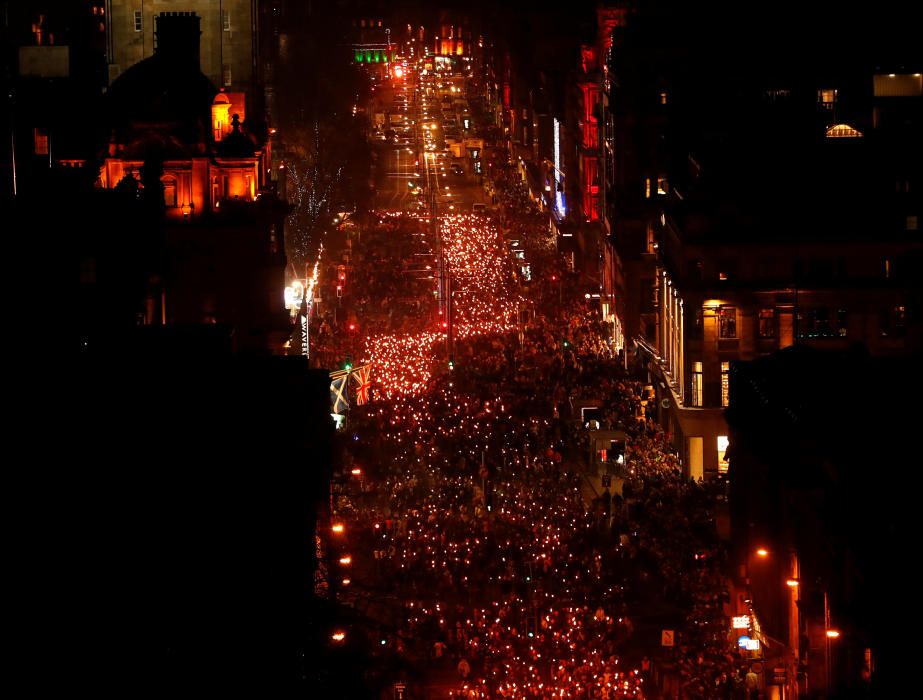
(558, 180)
(305, 348)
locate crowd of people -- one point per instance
(501, 563)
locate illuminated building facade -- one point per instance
(172, 129)
(209, 157)
(452, 40)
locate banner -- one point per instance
(339, 401)
(362, 377)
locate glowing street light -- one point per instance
(338, 528)
(792, 583)
(346, 561)
(338, 636)
(762, 552)
(833, 634)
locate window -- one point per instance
(662, 187)
(699, 325)
(138, 21)
(696, 398)
(816, 323)
(912, 222)
(41, 142)
(767, 327)
(696, 268)
(893, 322)
(826, 98)
(727, 322)
(226, 20)
(651, 239)
(723, 461)
(663, 98)
(226, 73)
(169, 191)
(841, 318)
(647, 188)
(725, 382)
(273, 239)
(887, 268)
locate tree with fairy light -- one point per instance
(313, 184)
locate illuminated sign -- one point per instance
(753, 645)
(740, 622)
(743, 641)
(559, 186)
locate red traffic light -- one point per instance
(352, 326)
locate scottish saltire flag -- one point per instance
(339, 399)
(362, 376)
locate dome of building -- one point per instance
(165, 98)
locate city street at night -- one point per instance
(465, 351)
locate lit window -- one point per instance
(827, 98)
(723, 461)
(227, 74)
(226, 20)
(663, 98)
(139, 20)
(767, 327)
(727, 322)
(647, 188)
(697, 382)
(912, 222)
(41, 142)
(725, 382)
(723, 276)
(662, 187)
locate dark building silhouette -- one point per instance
(185, 540)
(818, 479)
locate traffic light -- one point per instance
(451, 365)
(566, 344)
(339, 290)
(348, 365)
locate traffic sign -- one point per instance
(667, 637)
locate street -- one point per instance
(490, 552)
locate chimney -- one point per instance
(177, 38)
